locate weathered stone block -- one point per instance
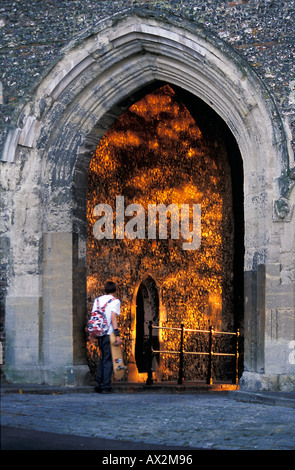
(57, 327)
(22, 330)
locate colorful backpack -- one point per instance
(98, 323)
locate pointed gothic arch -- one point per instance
(96, 78)
(147, 309)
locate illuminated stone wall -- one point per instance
(156, 154)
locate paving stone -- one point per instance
(194, 420)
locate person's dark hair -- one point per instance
(110, 287)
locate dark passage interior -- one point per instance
(147, 309)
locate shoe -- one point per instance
(107, 390)
(98, 389)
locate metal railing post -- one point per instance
(150, 355)
(180, 375)
(236, 374)
(209, 378)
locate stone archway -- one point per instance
(97, 78)
(156, 153)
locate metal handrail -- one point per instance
(181, 351)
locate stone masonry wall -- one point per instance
(34, 32)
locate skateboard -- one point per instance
(117, 355)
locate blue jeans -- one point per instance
(105, 365)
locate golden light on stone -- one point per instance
(156, 154)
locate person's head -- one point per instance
(110, 287)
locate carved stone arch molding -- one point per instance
(94, 80)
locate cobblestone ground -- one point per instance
(195, 420)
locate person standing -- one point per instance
(112, 311)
